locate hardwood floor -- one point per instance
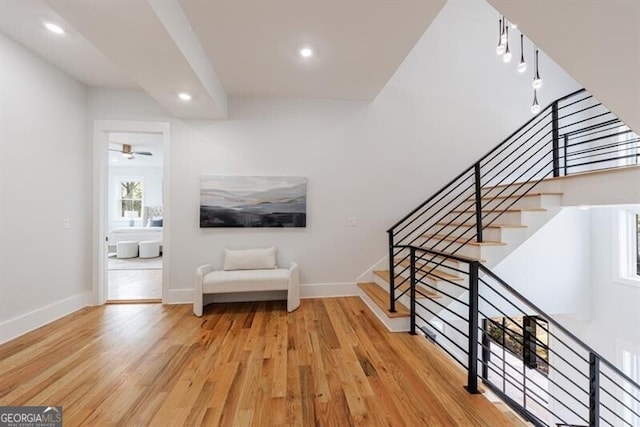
(134, 284)
(330, 363)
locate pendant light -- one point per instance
(507, 53)
(535, 107)
(522, 66)
(500, 47)
(537, 81)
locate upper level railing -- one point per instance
(574, 134)
(577, 386)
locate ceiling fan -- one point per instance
(127, 152)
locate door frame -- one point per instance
(101, 129)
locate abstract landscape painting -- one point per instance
(253, 201)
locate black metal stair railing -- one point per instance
(574, 134)
(578, 387)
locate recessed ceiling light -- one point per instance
(54, 28)
(306, 52)
(184, 96)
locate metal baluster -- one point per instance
(472, 377)
(478, 189)
(594, 390)
(413, 291)
(556, 138)
(392, 288)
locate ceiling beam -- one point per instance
(154, 45)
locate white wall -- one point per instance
(616, 307)
(152, 182)
(552, 267)
(371, 161)
(45, 177)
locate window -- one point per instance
(637, 251)
(627, 246)
(527, 338)
(131, 192)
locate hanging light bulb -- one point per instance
(503, 34)
(522, 66)
(537, 81)
(500, 47)
(535, 107)
(507, 53)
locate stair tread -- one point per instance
(465, 258)
(436, 272)
(534, 194)
(468, 224)
(455, 239)
(502, 210)
(438, 258)
(404, 284)
(381, 298)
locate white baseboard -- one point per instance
(178, 296)
(367, 276)
(328, 290)
(27, 322)
(314, 290)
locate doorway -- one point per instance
(131, 201)
(135, 217)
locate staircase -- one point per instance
(439, 281)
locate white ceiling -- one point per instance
(23, 22)
(597, 42)
(215, 48)
(358, 44)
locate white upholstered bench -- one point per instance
(251, 270)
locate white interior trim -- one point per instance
(624, 247)
(101, 129)
(27, 322)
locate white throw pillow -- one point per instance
(250, 259)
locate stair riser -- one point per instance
(444, 246)
(527, 202)
(404, 270)
(448, 265)
(489, 234)
(507, 218)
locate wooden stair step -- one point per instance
(403, 284)
(381, 298)
(501, 210)
(436, 274)
(470, 225)
(535, 194)
(465, 258)
(458, 239)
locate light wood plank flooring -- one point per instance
(134, 284)
(330, 363)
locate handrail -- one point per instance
(477, 351)
(564, 330)
(568, 136)
(525, 300)
(421, 205)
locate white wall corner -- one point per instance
(27, 322)
(367, 276)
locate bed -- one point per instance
(152, 216)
